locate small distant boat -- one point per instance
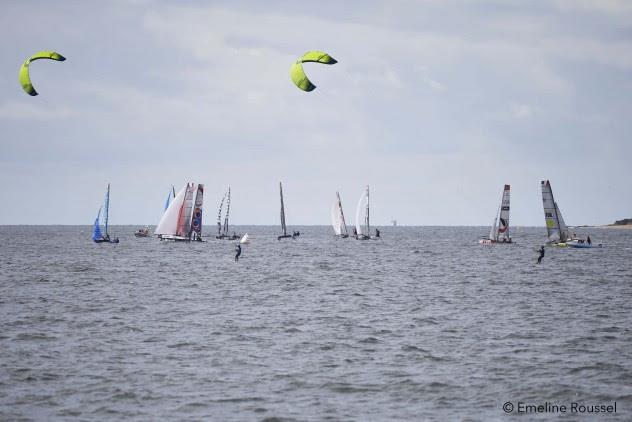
(499, 232)
(182, 221)
(338, 218)
(222, 233)
(144, 232)
(283, 226)
(97, 236)
(362, 226)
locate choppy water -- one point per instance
(422, 325)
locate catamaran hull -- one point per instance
(493, 242)
(175, 238)
(583, 245)
(106, 241)
(286, 236)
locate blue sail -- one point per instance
(96, 231)
(168, 201)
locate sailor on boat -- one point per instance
(588, 240)
(377, 233)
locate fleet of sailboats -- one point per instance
(182, 219)
(499, 232)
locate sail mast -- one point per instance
(106, 214)
(368, 227)
(282, 211)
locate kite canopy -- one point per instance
(25, 79)
(298, 74)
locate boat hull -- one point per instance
(583, 245)
(493, 242)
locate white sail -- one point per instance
(245, 239)
(492, 232)
(362, 214)
(169, 222)
(555, 227)
(564, 232)
(336, 222)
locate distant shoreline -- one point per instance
(605, 226)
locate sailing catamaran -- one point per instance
(499, 232)
(556, 230)
(362, 226)
(97, 236)
(182, 221)
(283, 227)
(338, 218)
(222, 233)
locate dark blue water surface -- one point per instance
(424, 324)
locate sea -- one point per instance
(423, 324)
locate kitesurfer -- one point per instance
(541, 254)
(238, 250)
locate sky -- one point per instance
(435, 104)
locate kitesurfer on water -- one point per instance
(238, 250)
(541, 254)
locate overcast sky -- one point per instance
(434, 104)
